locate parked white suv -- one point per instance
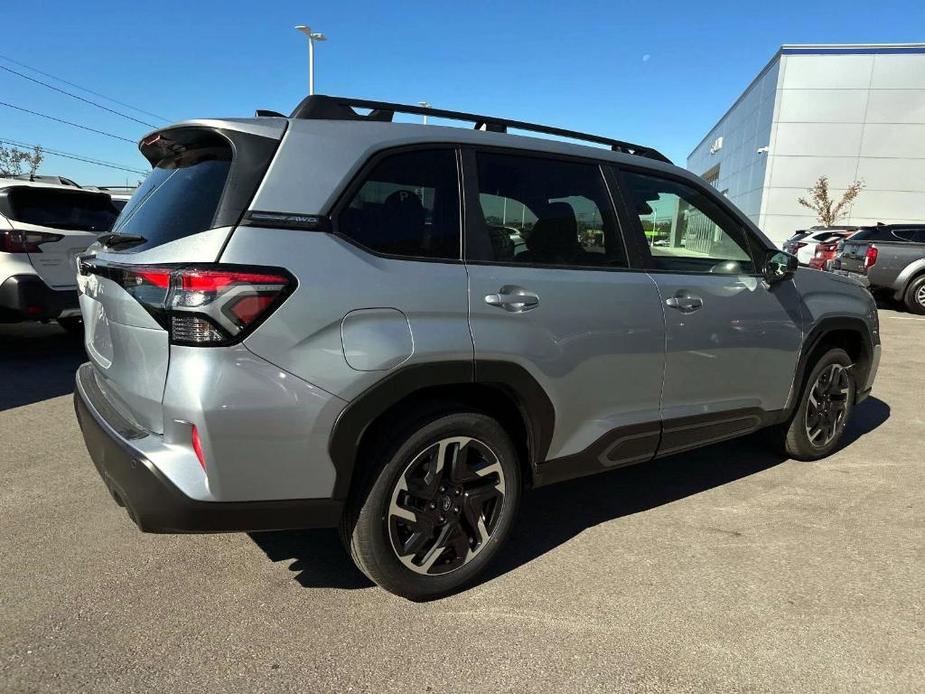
(43, 227)
(803, 244)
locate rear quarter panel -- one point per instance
(401, 311)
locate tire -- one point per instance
(814, 430)
(73, 324)
(397, 510)
(914, 298)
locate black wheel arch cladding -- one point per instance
(533, 405)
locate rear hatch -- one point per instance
(203, 178)
(53, 225)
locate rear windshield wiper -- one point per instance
(112, 240)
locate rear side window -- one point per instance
(408, 205)
(913, 235)
(547, 212)
(178, 198)
(59, 209)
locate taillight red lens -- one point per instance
(215, 280)
(870, 257)
(197, 447)
(19, 241)
(202, 306)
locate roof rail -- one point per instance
(342, 108)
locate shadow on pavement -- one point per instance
(553, 515)
(37, 362)
(320, 559)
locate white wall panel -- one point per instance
(894, 140)
(779, 228)
(823, 106)
(827, 71)
(819, 139)
(893, 71)
(893, 174)
(802, 172)
(897, 105)
(890, 206)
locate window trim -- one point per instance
(359, 178)
(475, 233)
(752, 241)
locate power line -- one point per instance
(75, 96)
(84, 89)
(67, 122)
(77, 157)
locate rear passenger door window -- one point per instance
(913, 235)
(407, 205)
(684, 229)
(545, 212)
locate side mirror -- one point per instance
(778, 266)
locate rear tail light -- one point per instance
(203, 305)
(19, 241)
(870, 257)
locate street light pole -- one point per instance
(424, 104)
(312, 37)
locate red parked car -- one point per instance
(824, 255)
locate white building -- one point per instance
(850, 112)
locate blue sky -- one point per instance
(655, 73)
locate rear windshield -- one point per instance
(59, 209)
(178, 198)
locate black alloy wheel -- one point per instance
(445, 505)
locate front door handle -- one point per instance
(514, 299)
(685, 303)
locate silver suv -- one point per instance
(332, 319)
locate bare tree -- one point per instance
(15, 162)
(828, 212)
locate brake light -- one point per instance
(203, 305)
(19, 241)
(870, 257)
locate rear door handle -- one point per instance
(684, 302)
(514, 299)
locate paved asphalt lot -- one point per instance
(727, 569)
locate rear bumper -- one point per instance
(155, 503)
(27, 297)
(864, 280)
